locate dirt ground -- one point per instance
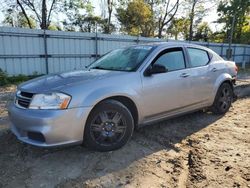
(196, 150)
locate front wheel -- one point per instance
(223, 99)
(109, 126)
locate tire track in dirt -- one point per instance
(196, 150)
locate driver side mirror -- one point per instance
(155, 69)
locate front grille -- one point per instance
(23, 99)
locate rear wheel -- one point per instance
(223, 99)
(109, 126)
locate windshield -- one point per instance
(125, 59)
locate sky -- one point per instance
(210, 17)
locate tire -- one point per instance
(223, 99)
(109, 126)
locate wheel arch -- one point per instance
(224, 78)
(126, 101)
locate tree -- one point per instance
(245, 36)
(110, 10)
(203, 32)
(166, 13)
(105, 27)
(179, 27)
(217, 36)
(75, 11)
(22, 21)
(54, 27)
(228, 10)
(136, 18)
(80, 17)
(39, 9)
(196, 13)
(107, 7)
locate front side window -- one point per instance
(172, 59)
(125, 59)
(198, 57)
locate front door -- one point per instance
(166, 92)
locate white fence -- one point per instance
(28, 51)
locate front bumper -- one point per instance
(48, 128)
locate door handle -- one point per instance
(214, 69)
(184, 75)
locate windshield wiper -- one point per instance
(110, 68)
(98, 67)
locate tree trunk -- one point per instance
(176, 36)
(192, 21)
(160, 33)
(110, 9)
(44, 15)
(160, 28)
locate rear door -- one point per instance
(201, 81)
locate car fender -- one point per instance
(100, 94)
(222, 78)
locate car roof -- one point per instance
(169, 44)
(174, 44)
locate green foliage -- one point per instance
(147, 18)
(203, 32)
(136, 18)
(5, 79)
(54, 27)
(179, 27)
(245, 36)
(88, 24)
(76, 11)
(217, 37)
(21, 20)
(239, 9)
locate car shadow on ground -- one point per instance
(33, 166)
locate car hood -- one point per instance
(58, 81)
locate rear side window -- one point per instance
(172, 59)
(198, 57)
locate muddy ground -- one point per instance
(196, 150)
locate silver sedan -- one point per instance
(125, 89)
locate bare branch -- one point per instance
(177, 6)
(32, 7)
(163, 21)
(24, 13)
(51, 8)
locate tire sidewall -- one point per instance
(114, 105)
(215, 108)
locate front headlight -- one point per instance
(50, 101)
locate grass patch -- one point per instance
(5, 79)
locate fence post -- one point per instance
(244, 62)
(45, 51)
(221, 52)
(96, 42)
(138, 39)
(244, 53)
(234, 52)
